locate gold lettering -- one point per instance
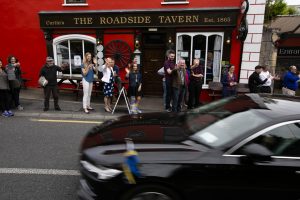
(167, 20)
(130, 20)
(90, 20)
(123, 20)
(116, 21)
(148, 20)
(188, 19)
(161, 19)
(109, 20)
(102, 20)
(181, 19)
(76, 20)
(141, 20)
(195, 18)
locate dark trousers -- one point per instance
(47, 92)
(168, 93)
(4, 100)
(195, 88)
(227, 92)
(178, 94)
(15, 93)
(265, 89)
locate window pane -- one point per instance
(184, 47)
(75, 1)
(62, 50)
(213, 58)
(280, 141)
(76, 53)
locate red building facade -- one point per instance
(122, 29)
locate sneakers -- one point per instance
(7, 113)
(20, 107)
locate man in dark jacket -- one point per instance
(254, 81)
(49, 71)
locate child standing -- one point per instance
(135, 87)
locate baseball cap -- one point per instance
(49, 59)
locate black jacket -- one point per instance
(254, 81)
(50, 73)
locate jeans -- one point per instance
(178, 94)
(87, 92)
(165, 92)
(4, 100)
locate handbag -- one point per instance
(43, 81)
(161, 71)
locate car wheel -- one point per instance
(150, 192)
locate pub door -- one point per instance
(153, 60)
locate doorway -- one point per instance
(153, 60)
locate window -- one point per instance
(70, 49)
(175, 2)
(75, 1)
(282, 141)
(205, 46)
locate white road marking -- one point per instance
(33, 171)
(66, 121)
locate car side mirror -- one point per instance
(255, 153)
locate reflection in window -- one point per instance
(205, 46)
(281, 141)
(70, 54)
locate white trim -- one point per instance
(174, 2)
(237, 146)
(75, 4)
(73, 37)
(69, 37)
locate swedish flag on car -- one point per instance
(131, 162)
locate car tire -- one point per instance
(150, 192)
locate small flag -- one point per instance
(131, 162)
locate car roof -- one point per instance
(279, 106)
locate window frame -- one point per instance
(174, 2)
(58, 40)
(74, 4)
(207, 35)
(231, 151)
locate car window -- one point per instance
(220, 132)
(281, 141)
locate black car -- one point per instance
(244, 147)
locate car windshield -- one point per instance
(220, 122)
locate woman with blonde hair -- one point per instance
(88, 69)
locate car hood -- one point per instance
(142, 128)
(114, 155)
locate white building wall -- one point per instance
(252, 44)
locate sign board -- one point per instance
(288, 51)
(139, 18)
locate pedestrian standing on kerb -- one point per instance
(290, 81)
(4, 93)
(169, 65)
(13, 71)
(88, 69)
(254, 82)
(49, 71)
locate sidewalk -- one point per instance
(33, 100)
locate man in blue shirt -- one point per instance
(290, 81)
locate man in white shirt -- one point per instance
(265, 74)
